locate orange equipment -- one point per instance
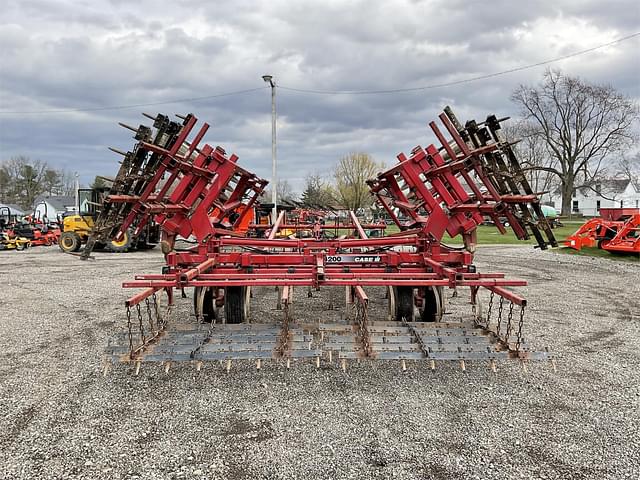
(616, 232)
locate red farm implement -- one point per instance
(448, 189)
(617, 231)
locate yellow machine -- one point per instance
(77, 227)
(13, 243)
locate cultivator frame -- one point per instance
(448, 189)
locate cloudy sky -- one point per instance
(90, 54)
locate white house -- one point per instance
(606, 193)
(53, 206)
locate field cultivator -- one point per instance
(614, 232)
(200, 192)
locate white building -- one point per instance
(53, 206)
(607, 193)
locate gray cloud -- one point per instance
(58, 55)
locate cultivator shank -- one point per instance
(200, 192)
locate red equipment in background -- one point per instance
(38, 231)
(618, 230)
(448, 189)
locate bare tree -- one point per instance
(351, 175)
(534, 156)
(284, 192)
(582, 124)
(629, 167)
(68, 183)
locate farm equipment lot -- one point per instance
(63, 419)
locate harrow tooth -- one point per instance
(228, 365)
(167, 366)
(404, 365)
(258, 364)
(344, 365)
(128, 127)
(463, 365)
(119, 152)
(492, 365)
(433, 364)
(198, 366)
(137, 367)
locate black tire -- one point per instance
(404, 303)
(145, 246)
(122, 246)
(69, 242)
(234, 304)
(208, 304)
(433, 304)
(20, 246)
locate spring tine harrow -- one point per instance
(198, 191)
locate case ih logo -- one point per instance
(353, 258)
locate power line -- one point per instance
(331, 92)
(121, 107)
(458, 82)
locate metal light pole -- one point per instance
(77, 192)
(274, 179)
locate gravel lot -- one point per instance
(63, 419)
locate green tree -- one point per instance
(317, 193)
(98, 183)
(31, 182)
(5, 186)
(52, 181)
(351, 175)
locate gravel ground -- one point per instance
(63, 419)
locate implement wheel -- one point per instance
(432, 304)
(69, 242)
(121, 245)
(236, 304)
(404, 303)
(204, 303)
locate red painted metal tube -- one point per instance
(195, 271)
(360, 293)
(299, 244)
(356, 222)
(276, 226)
(509, 295)
(139, 297)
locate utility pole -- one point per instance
(77, 187)
(274, 179)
